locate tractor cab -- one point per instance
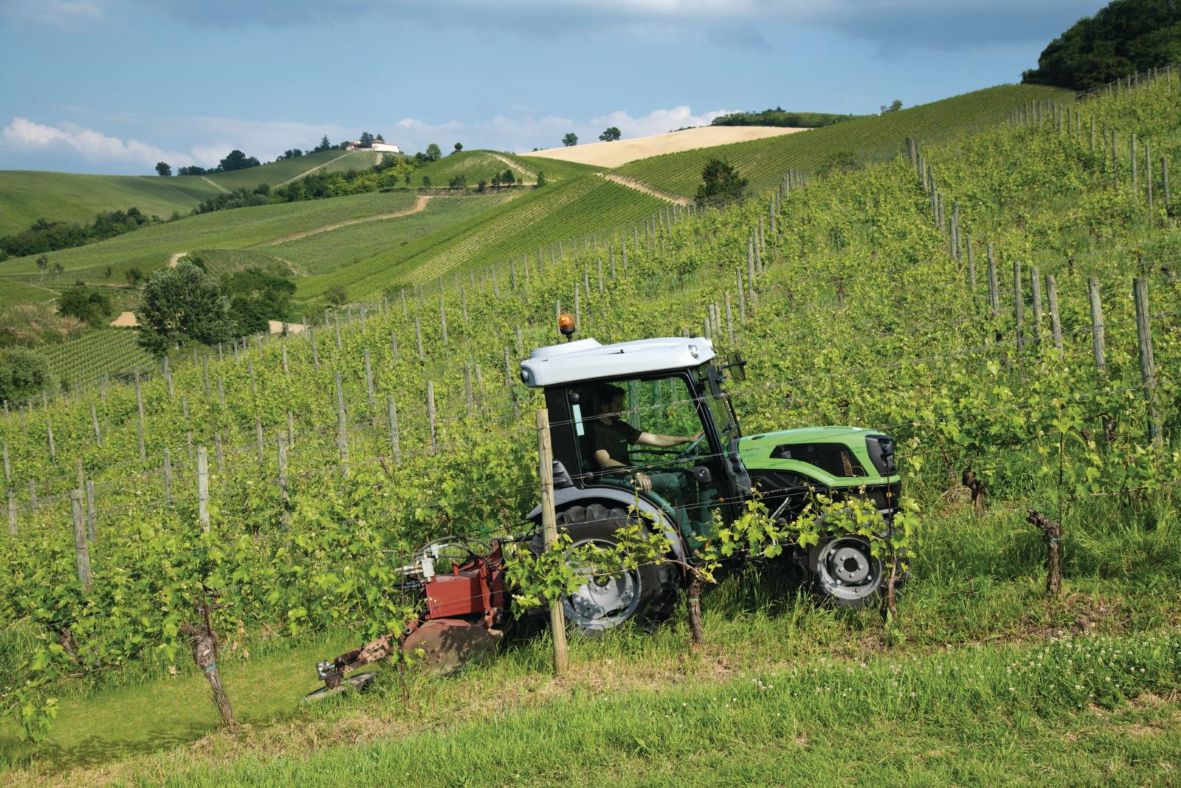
(610, 408)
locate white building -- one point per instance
(376, 146)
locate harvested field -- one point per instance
(616, 154)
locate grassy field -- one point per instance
(15, 292)
(278, 172)
(28, 196)
(874, 138)
(150, 248)
(572, 208)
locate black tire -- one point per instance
(354, 681)
(605, 602)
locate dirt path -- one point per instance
(172, 261)
(639, 186)
(217, 186)
(313, 169)
(419, 206)
(512, 165)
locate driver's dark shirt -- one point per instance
(613, 439)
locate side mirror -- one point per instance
(702, 474)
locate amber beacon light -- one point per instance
(566, 325)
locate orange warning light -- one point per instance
(566, 324)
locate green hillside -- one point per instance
(873, 138)
(479, 165)
(868, 306)
(27, 196)
(284, 170)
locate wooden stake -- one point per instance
(1035, 285)
(430, 412)
(91, 512)
(284, 497)
(203, 488)
(1147, 367)
(139, 404)
(392, 416)
(1055, 320)
(994, 301)
(81, 548)
(167, 478)
(1097, 344)
(549, 524)
(342, 428)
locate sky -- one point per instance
(113, 86)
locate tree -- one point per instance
(163, 169)
(458, 147)
(323, 146)
(337, 295)
(720, 183)
(507, 176)
(237, 160)
(42, 264)
(570, 140)
(24, 375)
(90, 305)
(182, 304)
(894, 106)
(426, 181)
(433, 153)
(134, 276)
(256, 297)
(379, 138)
(611, 134)
(1125, 37)
(193, 170)
(838, 161)
(366, 140)
(540, 178)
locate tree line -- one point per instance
(44, 235)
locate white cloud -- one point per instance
(22, 134)
(55, 13)
(657, 121)
(263, 139)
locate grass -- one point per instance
(277, 172)
(982, 680)
(150, 248)
(27, 196)
(14, 293)
(873, 138)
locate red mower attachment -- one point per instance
(464, 608)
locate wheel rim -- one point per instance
(847, 569)
(604, 601)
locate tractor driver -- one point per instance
(610, 436)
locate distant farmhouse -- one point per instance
(378, 146)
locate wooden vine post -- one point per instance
(549, 524)
(81, 548)
(1147, 365)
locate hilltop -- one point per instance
(620, 152)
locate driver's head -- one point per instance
(609, 403)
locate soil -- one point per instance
(620, 152)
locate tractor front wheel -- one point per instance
(845, 573)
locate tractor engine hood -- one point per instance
(834, 456)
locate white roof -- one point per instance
(586, 359)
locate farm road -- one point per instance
(512, 165)
(639, 186)
(419, 206)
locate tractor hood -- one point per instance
(587, 360)
(834, 456)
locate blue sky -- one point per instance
(113, 86)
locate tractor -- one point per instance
(666, 387)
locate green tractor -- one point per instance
(648, 423)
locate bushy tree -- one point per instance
(337, 295)
(182, 304)
(88, 304)
(433, 153)
(611, 134)
(570, 140)
(720, 183)
(458, 147)
(893, 106)
(163, 169)
(24, 375)
(237, 160)
(323, 146)
(1124, 37)
(256, 297)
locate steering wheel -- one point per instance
(691, 448)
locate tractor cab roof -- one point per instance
(587, 360)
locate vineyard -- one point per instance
(877, 138)
(974, 297)
(82, 361)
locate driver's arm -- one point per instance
(664, 441)
(606, 461)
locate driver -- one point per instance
(611, 436)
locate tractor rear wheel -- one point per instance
(605, 601)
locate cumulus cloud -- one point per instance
(22, 134)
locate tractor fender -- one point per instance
(613, 496)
